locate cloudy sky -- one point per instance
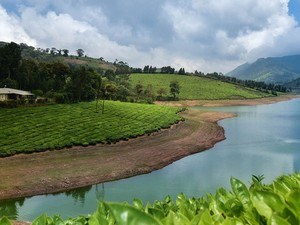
(207, 35)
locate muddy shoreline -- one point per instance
(62, 170)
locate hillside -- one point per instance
(40, 55)
(278, 70)
(196, 87)
(294, 85)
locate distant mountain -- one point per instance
(278, 70)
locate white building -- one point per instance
(7, 94)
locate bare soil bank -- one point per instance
(53, 171)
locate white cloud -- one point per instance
(197, 34)
(11, 29)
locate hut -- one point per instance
(8, 94)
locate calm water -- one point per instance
(261, 140)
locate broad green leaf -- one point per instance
(213, 206)
(137, 203)
(252, 217)
(175, 219)
(206, 218)
(218, 219)
(232, 221)
(5, 221)
(81, 220)
(125, 214)
(57, 220)
(101, 215)
(41, 220)
(157, 213)
(281, 188)
(267, 202)
(240, 190)
(277, 220)
(293, 200)
(94, 220)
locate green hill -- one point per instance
(29, 52)
(278, 70)
(195, 87)
(30, 129)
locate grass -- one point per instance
(193, 87)
(25, 130)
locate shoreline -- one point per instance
(56, 171)
(228, 102)
(62, 170)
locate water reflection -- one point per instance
(9, 208)
(262, 140)
(78, 194)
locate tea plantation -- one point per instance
(30, 129)
(193, 87)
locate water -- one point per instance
(262, 140)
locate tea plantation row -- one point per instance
(33, 129)
(193, 87)
(260, 204)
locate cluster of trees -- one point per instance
(149, 69)
(69, 83)
(262, 86)
(55, 51)
(153, 69)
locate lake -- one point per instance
(261, 140)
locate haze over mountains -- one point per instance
(277, 70)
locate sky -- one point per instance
(203, 35)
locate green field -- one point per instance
(29, 129)
(193, 87)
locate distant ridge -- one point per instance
(277, 70)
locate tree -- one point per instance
(80, 52)
(146, 69)
(139, 88)
(53, 51)
(149, 93)
(161, 92)
(122, 93)
(10, 58)
(108, 90)
(174, 89)
(181, 71)
(66, 52)
(97, 87)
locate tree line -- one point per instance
(261, 86)
(69, 82)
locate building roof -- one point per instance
(14, 91)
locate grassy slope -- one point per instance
(193, 87)
(57, 126)
(91, 62)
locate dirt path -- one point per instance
(49, 172)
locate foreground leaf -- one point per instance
(5, 221)
(41, 220)
(125, 214)
(240, 190)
